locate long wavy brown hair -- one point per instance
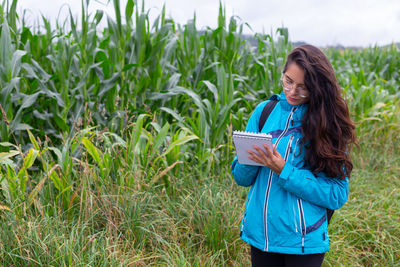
(328, 131)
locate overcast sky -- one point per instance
(322, 23)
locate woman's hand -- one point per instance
(271, 159)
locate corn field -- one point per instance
(115, 141)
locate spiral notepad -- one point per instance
(246, 140)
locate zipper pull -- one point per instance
(302, 244)
(290, 145)
(291, 122)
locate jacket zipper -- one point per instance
(289, 150)
(289, 147)
(286, 158)
(302, 223)
(270, 180)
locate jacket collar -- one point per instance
(300, 111)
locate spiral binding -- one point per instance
(252, 135)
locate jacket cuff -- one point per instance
(286, 172)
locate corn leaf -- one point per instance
(93, 151)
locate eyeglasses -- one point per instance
(289, 85)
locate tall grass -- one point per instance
(115, 143)
(194, 221)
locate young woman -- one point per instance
(307, 171)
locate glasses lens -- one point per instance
(288, 86)
(285, 84)
(302, 92)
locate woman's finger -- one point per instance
(259, 150)
(253, 156)
(275, 152)
(269, 152)
(264, 155)
(251, 153)
(260, 158)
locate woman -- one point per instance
(307, 171)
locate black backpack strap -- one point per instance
(329, 213)
(266, 111)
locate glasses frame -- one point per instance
(288, 89)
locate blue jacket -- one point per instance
(287, 213)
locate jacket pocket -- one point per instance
(317, 224)
(296, 223)
(297, 153)
(302, 220)
(311, 218)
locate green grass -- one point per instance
(115, 146)
(196, 221)
(365, 231)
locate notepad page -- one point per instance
(245, 140)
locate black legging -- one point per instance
(263, 259)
